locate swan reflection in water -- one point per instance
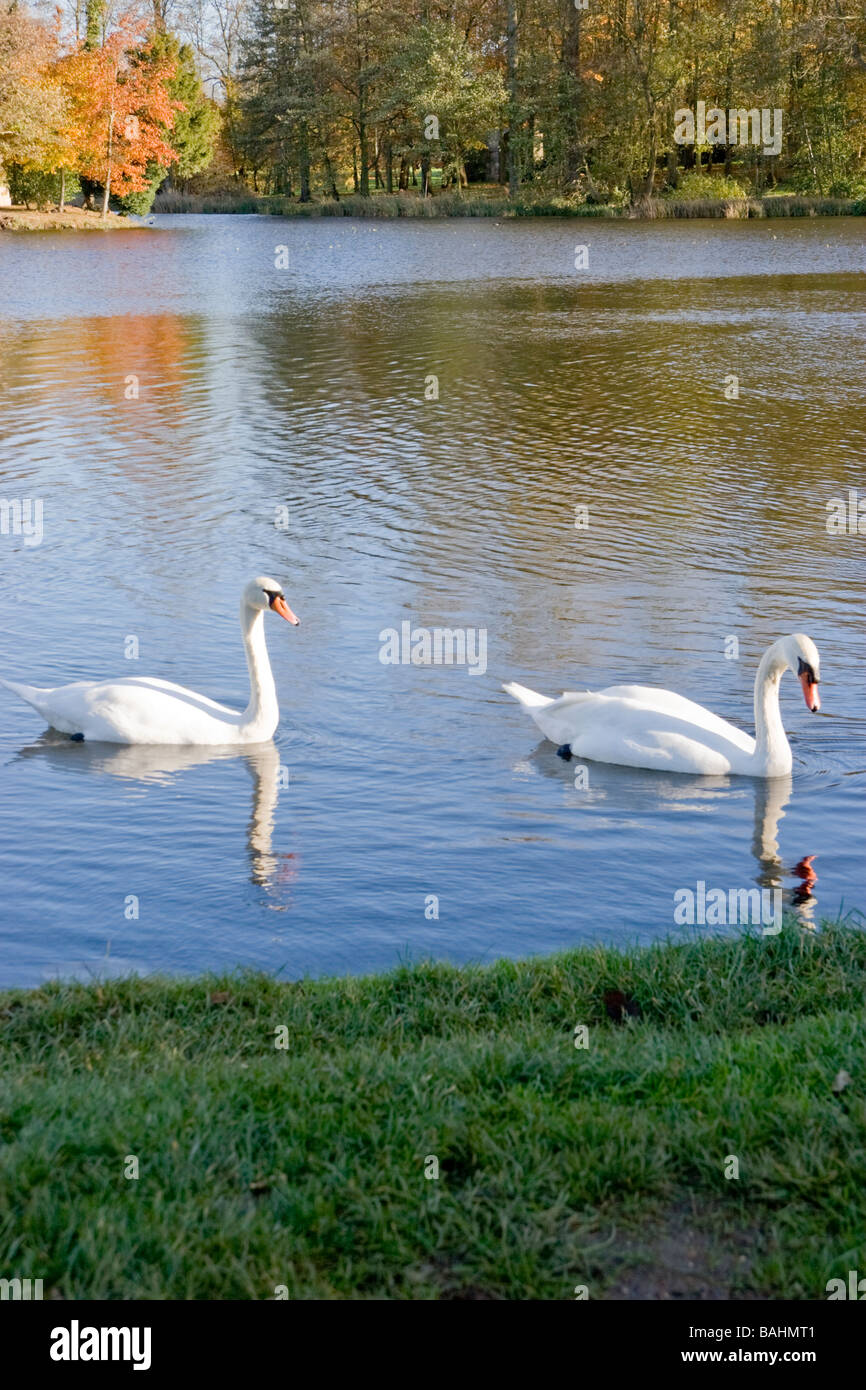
(771, 797)
(642, 791)
(160, 764)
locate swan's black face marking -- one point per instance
(272, 594)
(564, 752)
(804, 669)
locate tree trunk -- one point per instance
(378, 181)
(62, 190)
(403, 183)
(569, 89)
(729, 149)
(425, 175)
(304, 162)
(389, 168)
(107, 189)
(364, 185)
(646, 191)
(816, 176)
(330, 181)
(511, 66)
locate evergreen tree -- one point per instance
(194, 131)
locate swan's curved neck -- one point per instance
(772, 750)
(262, 711)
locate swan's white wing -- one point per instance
(133, 709)
(176, 691)
(668, 702)
(638, 726)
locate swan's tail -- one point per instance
(30, 693)
(529, 699)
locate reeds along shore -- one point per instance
(472, 205)
(397, 205)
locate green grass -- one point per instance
(558, 1166)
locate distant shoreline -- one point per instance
(398, 205)
(389, 207)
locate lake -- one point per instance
(403, 422)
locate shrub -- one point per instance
(139, 204)
(35, 186)
(850, 186)
(693, 186)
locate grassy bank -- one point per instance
(384, 205)
(559, 1166)
(19, 219)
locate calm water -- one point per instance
(304, 388)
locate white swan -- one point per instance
(142, 709)
(639, 726)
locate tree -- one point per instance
(121, 112)
(196, 123)
(589, 98)
(285, 102)
(31, 99)
(197, 119)
(455, 98)
(217, 30)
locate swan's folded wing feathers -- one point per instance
(642, 727)
(651, 697)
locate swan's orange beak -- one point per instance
(279, 605)
(810, 692)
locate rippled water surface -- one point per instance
(308, 388)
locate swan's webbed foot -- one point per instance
(564, 752)
(77, 738)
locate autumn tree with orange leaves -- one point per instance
(31, 101)
(119, 112)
